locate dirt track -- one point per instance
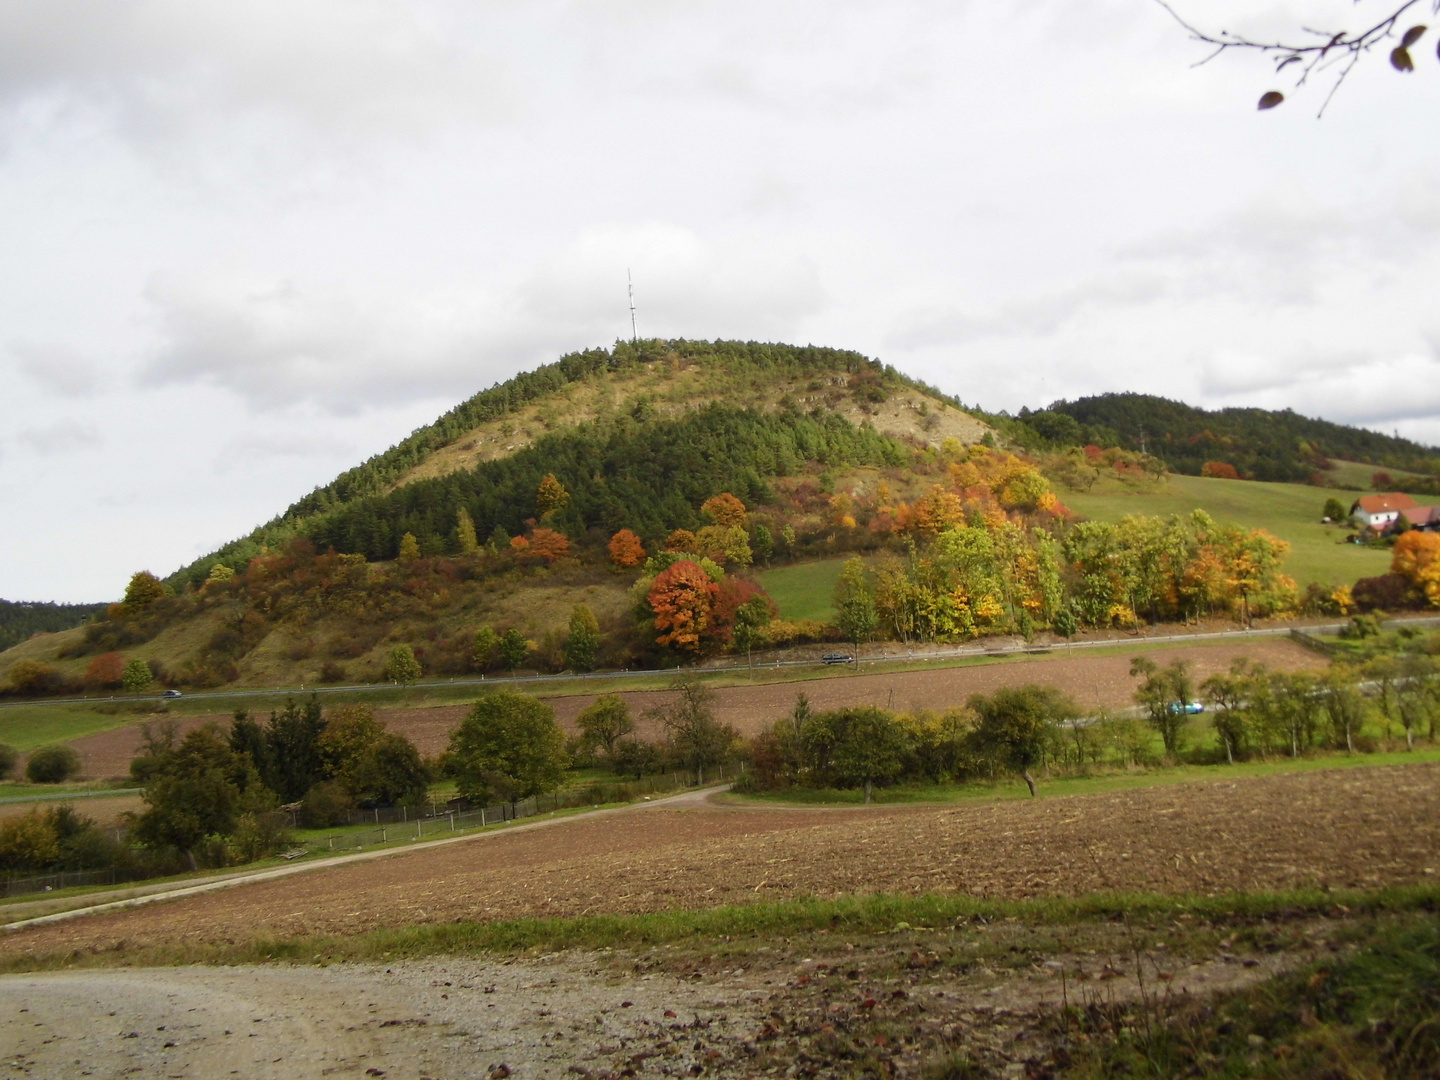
(1357, 828)
(1093, 680)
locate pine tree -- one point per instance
(409, 548)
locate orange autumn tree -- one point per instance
(1417, 559)
(681, 540)
(726, 511)
(681, 598)
(626, 550)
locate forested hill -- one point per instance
(649, 476)
(738, 359)
(19, 620)
(1262, 444)
(639, 434)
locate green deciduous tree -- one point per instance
(855, 614)
(136, 676)
(751, 619)
(861, 746)
(200, 791)
(697, 738)
(1015, 723)
(1164, 693)
(483, 651)
(582, 644)
(513, 649)
(401, 666)
(508, 747)
(604, 722)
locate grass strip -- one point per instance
(861, 916)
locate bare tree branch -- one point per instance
(1320, 51)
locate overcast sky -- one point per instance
(244, 247)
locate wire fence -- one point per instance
(417, 823)
(65, 879)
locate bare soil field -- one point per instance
(106, 812)
(1361, 828)
(1094, 681)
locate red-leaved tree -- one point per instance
(105, 671)
(682, 598)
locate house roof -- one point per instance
(1382, 504)
(1422, 515)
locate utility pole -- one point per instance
(630, 287)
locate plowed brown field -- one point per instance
(1351, 828)
(1094, 681)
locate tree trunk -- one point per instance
(1229, 755)
(868, 788)
(1409, 738)
(1349, 743)
(1029, 781)
(191, 856)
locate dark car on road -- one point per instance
(838, 658)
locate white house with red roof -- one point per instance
(1381, 512)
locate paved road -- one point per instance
(959, 653)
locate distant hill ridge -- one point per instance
(20, 620)
(1262, 444)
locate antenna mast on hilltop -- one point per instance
(630, 287)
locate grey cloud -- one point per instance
(1037, 316)
(60, 369)
(1271, 252)
(169, 64)
(281, 344)
(61, 437)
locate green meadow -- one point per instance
(1290, 511)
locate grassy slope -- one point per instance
(1290, 511)
(805, 590)
(28, 726)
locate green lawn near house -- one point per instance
(1290, 511)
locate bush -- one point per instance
(259, 835)
(52, 764)
(325, 805)
(33, 677)
(8, 757)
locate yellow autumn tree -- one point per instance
(550, 496)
